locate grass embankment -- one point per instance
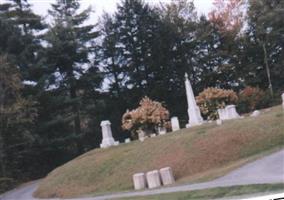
(195, 154)
(221, 192)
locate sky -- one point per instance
(41, 6)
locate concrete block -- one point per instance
(139, 181)
(219, 122)
(175, 124)
(127, 140)
(255, 113)
(153, 135)
(167, 176)
(153, 179)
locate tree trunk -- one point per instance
(77, 119)
(267, 69)
(2, 154)
(2, 126)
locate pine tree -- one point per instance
(136, 26)
(18, 13)
(67, 64)
(16, 117)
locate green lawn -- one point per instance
(221, 192)
(197, 154)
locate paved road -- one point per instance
(269, 169)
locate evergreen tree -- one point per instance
(24, 50)
(67, 67)
(176, 54)
(136, 26)
(16, 119)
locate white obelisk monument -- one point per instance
(193, 110)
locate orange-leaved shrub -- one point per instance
(211, 99)
(251, 98)
(148, 116)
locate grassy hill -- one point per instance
(196, 154)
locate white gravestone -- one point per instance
(255, 113)
(282, 100)
(222, 114)
(141, 134)
(107, 135)
(167, 176)
(153, 135)
(127, 140)
(153, 179)
(162, 130)
(219, 122)
(139, 181)
(194, 116)
(116, 143)
(175, 124)
(232, 112)
(229, 112)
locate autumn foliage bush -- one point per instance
(211, 99)
(252, 98)
(148, 116)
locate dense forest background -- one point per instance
(59, 80)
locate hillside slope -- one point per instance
(195, 154)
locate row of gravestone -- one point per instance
(153, 179)
(108, 140)
(229, 112)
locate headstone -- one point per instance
(219, 122)
(282, 100)
(222, 114)
(142, 139)
(229, 112)
(175, 124)
(232, 112)
(107, 135)
(194, 115)
(153, 179)
(167, 176)
(162, 130)
(139, 181)
(141, 135)
(116, 143)
(127, 140)
(153, 135)
(255, 113)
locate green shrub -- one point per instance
(211, 99)
(253, 98)
(149, 115)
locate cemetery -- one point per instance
(178, 99)
(184, 155)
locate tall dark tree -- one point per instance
(16, 118)
(24, 51)
(67, 65)
(136, 26)
(263, 64)
(176, 54)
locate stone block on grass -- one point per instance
(127, 140)
(153, 179)
(139, 181)
(167, 176)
